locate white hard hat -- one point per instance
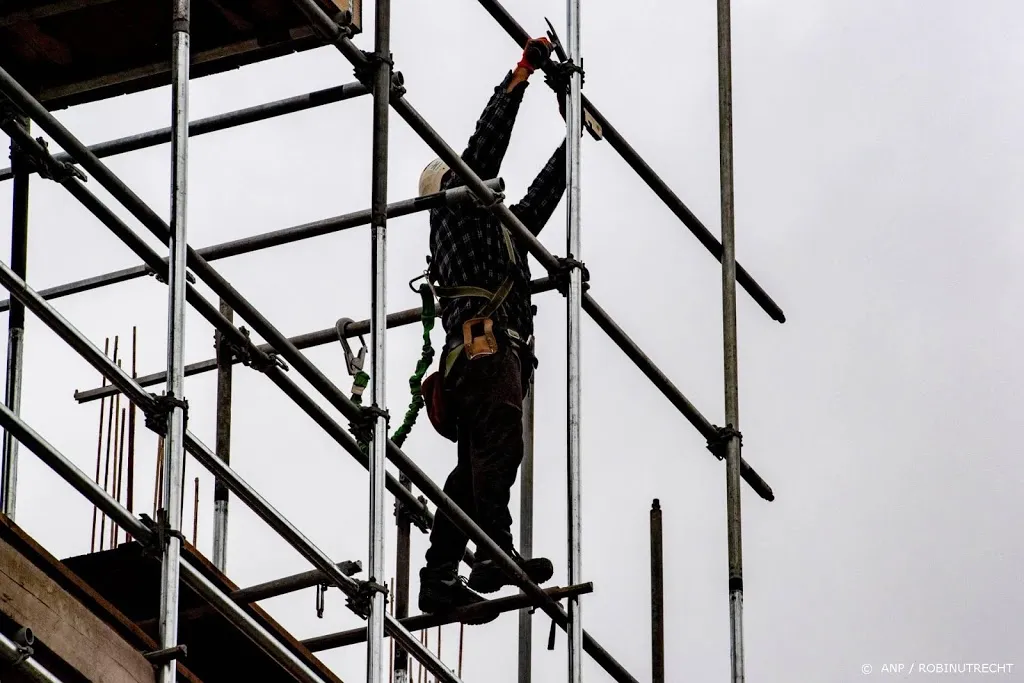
(430, 179)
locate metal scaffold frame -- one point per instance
(168, 412)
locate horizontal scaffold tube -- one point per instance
(266, 240)
(219, 122)
(421, 622)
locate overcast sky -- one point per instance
(878, 158)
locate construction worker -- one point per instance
(476, 397)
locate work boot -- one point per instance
(443, 590)
(488, 577)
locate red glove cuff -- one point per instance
(524, 64)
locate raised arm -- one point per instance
(489, 142)
(546, 190)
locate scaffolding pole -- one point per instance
(422, 622)
(657, 597)
(219, 122)
(151, 405)
(174, 444)
(223, 442)
(402, 570)
(15, 326)
(732, 404)
(573, 124)
(378, 336)
(526, 530)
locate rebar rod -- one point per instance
(646, 173)
(28, 667)
(148, 403)
(574, 397)
(731, 371)
(221, 494)
(130, 497)
(99, 453)
(119, 515)
(111, 431)
(526, 530)
(378, 337)
(274, 238)
(15, 327)
(657, 597)
(219, 122)
(174, 444)
(422, 622)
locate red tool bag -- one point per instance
(441, 415)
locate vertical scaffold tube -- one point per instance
(657, 597)
(402, 568)
(15, 327)
(223, 444)
(731, 365)
(526, 535)
(378, 325)
(174, 444)
(574, 121)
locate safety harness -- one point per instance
(478, 340)
(474, 344)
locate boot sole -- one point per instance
(494, 580)
(441, 610)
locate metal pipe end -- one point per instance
(24, 637)
(656, 505)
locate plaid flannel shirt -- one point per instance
(467, 247)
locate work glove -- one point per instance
(535, 54)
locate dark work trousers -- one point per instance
(487, 392)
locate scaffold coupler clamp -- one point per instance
(354, 363)
(565, 268)
(168, 654)
(253, 357)
(23, 641)
(365, 425)
(162, 533)
(161, 277)
(417, 516)
(36, 153)
(362, 600)
(157, 419)
(719, 442)
(366, 71)
(321, 602)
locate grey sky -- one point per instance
(878, 156)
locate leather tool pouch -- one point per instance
(478, 337)
(439, 409)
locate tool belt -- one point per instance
(480, 339)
